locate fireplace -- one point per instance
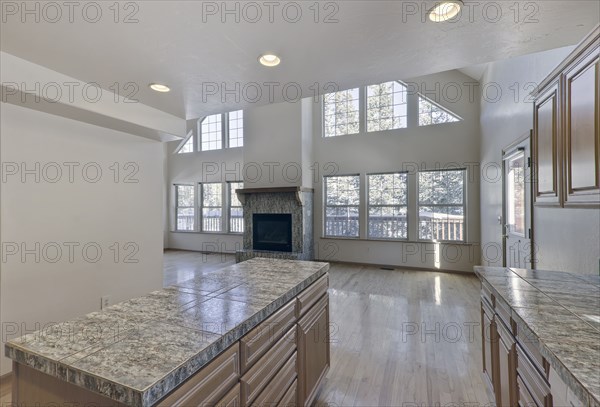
(272, 231)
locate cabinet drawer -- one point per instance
(260, 339)
(529, 346)
(231, 399)
(289, 399)
(486, 293)
(525, 399)
(210, 384)
(533, 380)
(263, 371)
(487, 309)
(503, 311)
(311, 295)
(505, 333)
(276, 389)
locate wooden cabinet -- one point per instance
(507, 372)
(566, 130)
(488, 340)
(546, 153)
(582, 129)
(210, 384)
(313, 350)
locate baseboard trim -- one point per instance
(400, 268)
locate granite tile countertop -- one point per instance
(137, 351)
(559, 311)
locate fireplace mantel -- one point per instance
(241, 193)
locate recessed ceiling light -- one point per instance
(159, 88)
(445, 10)
(269, 60)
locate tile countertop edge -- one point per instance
(155, 392)
(564, 373)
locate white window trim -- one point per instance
(184, 142)
(224, 132)
(176, 207)
(325, 206)
(229, 206)
(419, 95)
(369, 206)
(464, 205)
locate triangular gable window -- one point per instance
(187, 146)
(432, 113)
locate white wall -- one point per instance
(566, 239)
(55, 289)
(289, 134)
(429, 147)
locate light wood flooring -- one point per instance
(399, 337)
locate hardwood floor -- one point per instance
(399, 337)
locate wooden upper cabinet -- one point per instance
(582, 130)
(546, 154)
(566, 130)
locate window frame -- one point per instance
(175, 227)
(439, 106)
(225, 132)
(230, 206)
(325, 206)
(369, 206)
(201, 208)
(361, 92)
(365, 109)
(464, 205)
(182, 144)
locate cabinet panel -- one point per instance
(546, 155)
(289, 399)
(312, 294)
(507, 367)
(277, 388)
(487, 332)
(231, 399)
(313, 351)
(210, 384)
(258, 377)
(260, 339)
(533, 380)
(582, 131)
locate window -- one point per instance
(236, 129)
(342, 196)
(236, 213)
(212, 207)
(188, 146)
(211, 132)
(220, 131)
(341, 113)
(184, 207)
(442, 205)
(387, 206)
(386, 106)
(432, 113)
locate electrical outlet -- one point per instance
(104, 302)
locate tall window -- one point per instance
(388, 200)
(341, 113)
(211, 132)
(342, 196)
(236, 128)
(212, 207)
(184, 207)
(386, 106)
(442, 205)
(236, 213)
(432, 113)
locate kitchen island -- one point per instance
(253, 333)
(541, 336)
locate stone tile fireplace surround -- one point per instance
(297, 201)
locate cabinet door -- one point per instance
(582, 131)
(313, 351)
(486, 344)
(546, 146)
(507, 370)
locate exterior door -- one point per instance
(518, 246)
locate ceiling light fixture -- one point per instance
(159, 88)
(269, 60)
(445, 10)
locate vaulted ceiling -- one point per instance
(202, 52)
